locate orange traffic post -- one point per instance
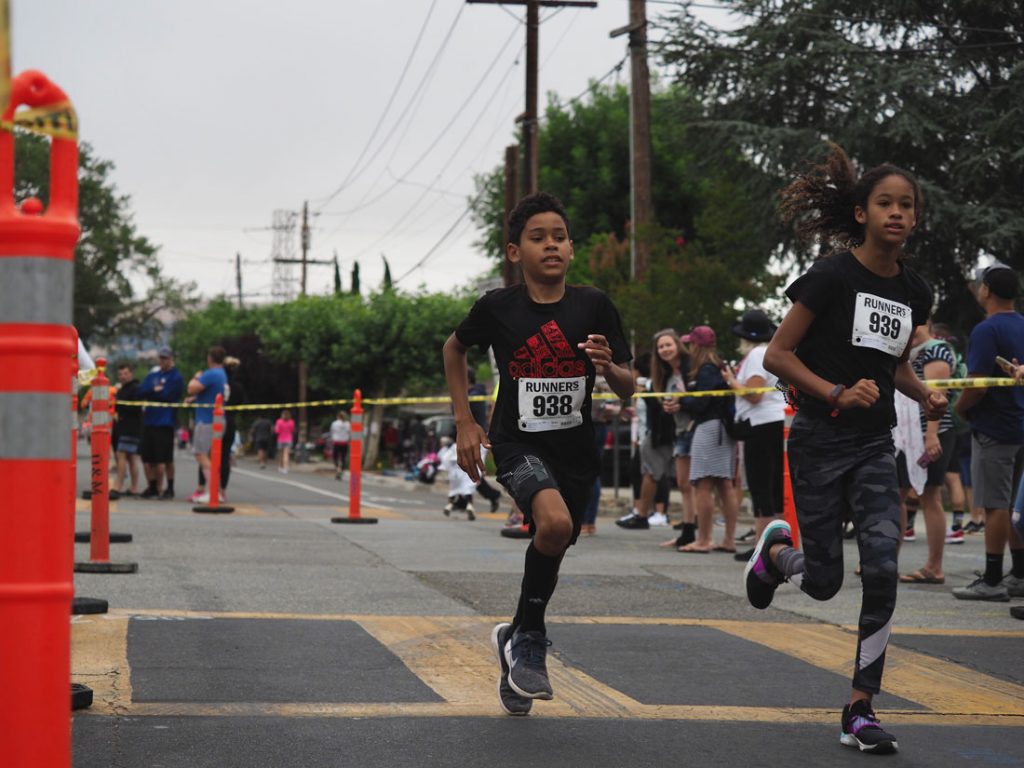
(788, 506)
(37, 245)
(79, 605)
(216, 457)
(99, 531)
(355, 473)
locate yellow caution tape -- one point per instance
(442, 399)
(57, 120)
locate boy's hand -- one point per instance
(934, 405)
(863, 394)
(468, 440)
(597, 349)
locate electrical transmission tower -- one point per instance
(282, 254)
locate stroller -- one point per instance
(426, 468)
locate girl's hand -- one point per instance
(670, 404)
(934, 405)
(863, 394)
(932, 447)
(597, 349)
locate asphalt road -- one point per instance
(272, 636)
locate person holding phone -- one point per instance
(996, 416)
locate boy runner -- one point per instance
(550, 340)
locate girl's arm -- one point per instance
(781, 359)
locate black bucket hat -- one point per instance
(755, 325)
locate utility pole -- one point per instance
(511, 274)
(641, 209)
(529, 118)
(238, 277)
(305, 261)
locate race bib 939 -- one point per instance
(881, 324)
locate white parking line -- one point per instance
(306, 487)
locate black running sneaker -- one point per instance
(633, 522)
(510, 701)
(495, 503)
(149, 493)
(749, 536)
(761, 577)
(862, 730)
(167, 495)
(526, 655)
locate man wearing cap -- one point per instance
(164, 385)
(765, 413)
(996, 417)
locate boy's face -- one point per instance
(544, 249)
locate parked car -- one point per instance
(440, 426)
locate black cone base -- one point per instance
(81, 696)
(106, 567)
(355, 520)
(84, 537)
(206, 509)
(81, 606)
(516, 532)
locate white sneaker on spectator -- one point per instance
(658, 519)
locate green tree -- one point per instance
(937, 88)
(698, 201)
(337, 276)
(355, 278)
(386, 283)
(119, 284)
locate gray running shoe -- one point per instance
(760, 576)
(980, 590)
(526, 655)
(510, 701)
(1014, 585)
(861, 729)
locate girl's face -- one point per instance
(746, 345)
(667, 348)
(889, 218)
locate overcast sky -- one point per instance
(217, 113)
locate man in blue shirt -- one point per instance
(203, 391)
(164, 385)
(996, 417)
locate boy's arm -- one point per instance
(469, 436)
(618, 376)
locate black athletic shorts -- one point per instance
(523, 471)
(158, 445)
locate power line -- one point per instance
(428, 74)
(387, 107)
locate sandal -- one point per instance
(922, 576)
(720, 548)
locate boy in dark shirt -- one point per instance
(550, 340)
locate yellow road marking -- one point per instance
(99, 659)
(452, 655)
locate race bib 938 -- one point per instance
(551, 404)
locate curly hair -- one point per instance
(531, 205)
(820, 202)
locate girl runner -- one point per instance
(843, 350)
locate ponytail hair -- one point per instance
(820, 202)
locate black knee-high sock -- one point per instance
(1017, 558)
(540, 576)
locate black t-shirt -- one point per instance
(546, 380)
(862, 325)
(129, 417)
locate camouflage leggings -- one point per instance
(841, 474)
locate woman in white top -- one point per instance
(765, 413)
